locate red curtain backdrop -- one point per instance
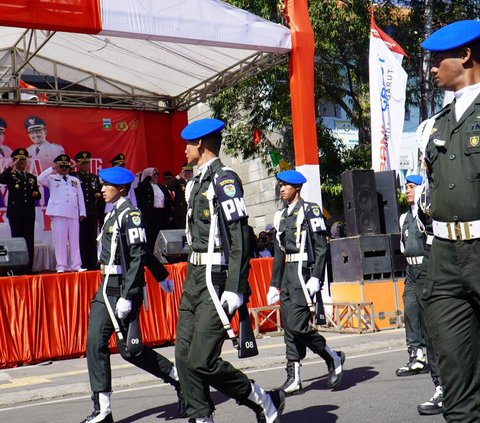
(45, 317)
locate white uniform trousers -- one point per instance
(66, 241)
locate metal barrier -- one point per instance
(345, 318)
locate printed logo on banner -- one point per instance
(121, 126)
(107, 123)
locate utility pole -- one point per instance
(426, 99)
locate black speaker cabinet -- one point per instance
(13, 253)
(389, 212)
(363, 257)
(360, 202)
(399, 262)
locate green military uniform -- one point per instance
(452, 291)
(413, 240)
(200, 333)
(299, 333)
(129, 285)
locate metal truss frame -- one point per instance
(122, 96)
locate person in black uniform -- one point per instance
(155, 203)
(88, 226)
(413, 247)
(179, 185)
(124, 290)
(200, 332)
(300, 219)
(451, 294)
(23, 192)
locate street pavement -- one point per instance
(58, 391)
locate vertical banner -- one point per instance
(388, 82)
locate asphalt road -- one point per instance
(370, 391)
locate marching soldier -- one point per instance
(451, 293)
(300, 225)
(200, 332)
(413, 247)
(117, 303)
(22, 194)
(88, 226)
(66, 209)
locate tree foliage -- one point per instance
(341, 30)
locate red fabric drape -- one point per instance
(45, 317)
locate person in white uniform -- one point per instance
(66, 208)
(41, 152)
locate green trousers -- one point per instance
(200, 336)
(451, 297)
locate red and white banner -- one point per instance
(388, 81)
(146, 138)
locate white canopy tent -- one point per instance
(156, 55)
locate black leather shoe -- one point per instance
(335, 378)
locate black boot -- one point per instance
(416, 363)
(182, 408)
(293, 384)
(96, 417)
(334, 360)
(435, 404)
(271, 403)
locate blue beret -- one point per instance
(34, 122)
(200, 128)
(116, 175)
(452, 36)
(291, 177)
(414, 179)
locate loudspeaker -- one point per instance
(172, 244)
(389, 212)
(360, 202)
(399, 262)
(13, 253)
(363, 257)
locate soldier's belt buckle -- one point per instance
(454, 231)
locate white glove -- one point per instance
(313, 286)
(273, 295)
(123, 307)
(167, 285)
(233, 301)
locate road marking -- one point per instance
(142, 388)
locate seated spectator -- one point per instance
(262, 249)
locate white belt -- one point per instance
(296, 257)
(200, 259)
(414, 260)
(454, 231)
(114, 269)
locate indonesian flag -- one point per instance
(388, 82)
(43, 98)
